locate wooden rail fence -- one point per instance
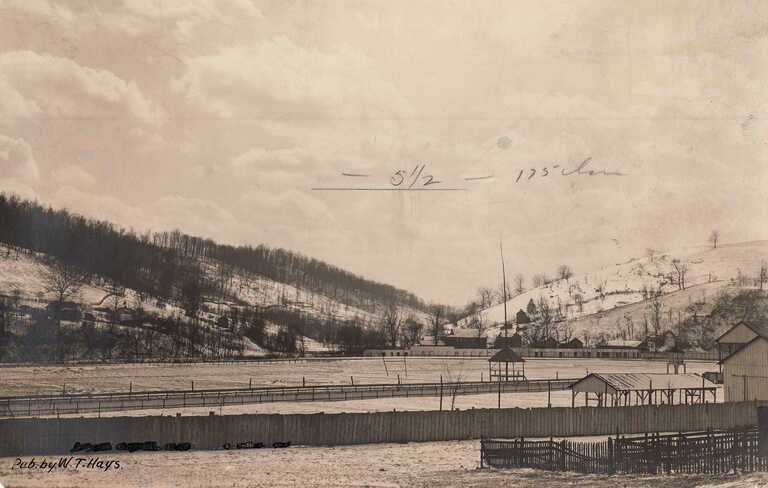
(39, 405)
(710, 452)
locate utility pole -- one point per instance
(504, 285)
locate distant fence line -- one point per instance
(55, 435)
(37, 405)
(701, 452)
(444, 352)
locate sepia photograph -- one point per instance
(390, 243)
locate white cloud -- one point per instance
(41, 85)
(186, 17)
(195, 216)
(269, 158)
(41, 8)
(98, 206)
(72, 175)
(278, 79)
(17, 159)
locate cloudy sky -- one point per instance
(222, 118)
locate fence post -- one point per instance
(611, 468)
(441, 393)
(563, 466)
(549, 394)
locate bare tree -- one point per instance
(539, 279)
(63, 281)
(650, 253)
(436, 320)
(714, 237)
(545, 318)
(565, 332)
(485, 295)
(411, 332)
(681, 269)
(564, 272)
(763, 274)
(656, 307)
(518, 282)
(477, 320)
(392, 322)
(224, 279)
(579, 300)
(115, 293)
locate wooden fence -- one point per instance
(698, 452)
(23, 436)
(39, 405)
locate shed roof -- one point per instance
(759, 328)
(622, 343)
(644, 381)
(506, 355)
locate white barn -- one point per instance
(745, 372)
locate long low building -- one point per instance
(561, 352)
(624, 389)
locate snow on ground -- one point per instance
(25, 274)
(427, 464)
(622, 284)
(560, 398)
(24, 380)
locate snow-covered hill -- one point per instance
(23, 275)
(582, 299)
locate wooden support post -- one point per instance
(499, 402)
(441, 392)
(549, 394)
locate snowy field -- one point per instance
(24, 380)
(384, 465)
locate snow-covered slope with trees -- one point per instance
(609, 299)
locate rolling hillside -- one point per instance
(616, 301)
(169, 294)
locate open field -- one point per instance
(28, 380)
(415, 464)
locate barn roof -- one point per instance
(506, 355)
(759, 328)
(644, 381)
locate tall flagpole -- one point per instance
(504, 291)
